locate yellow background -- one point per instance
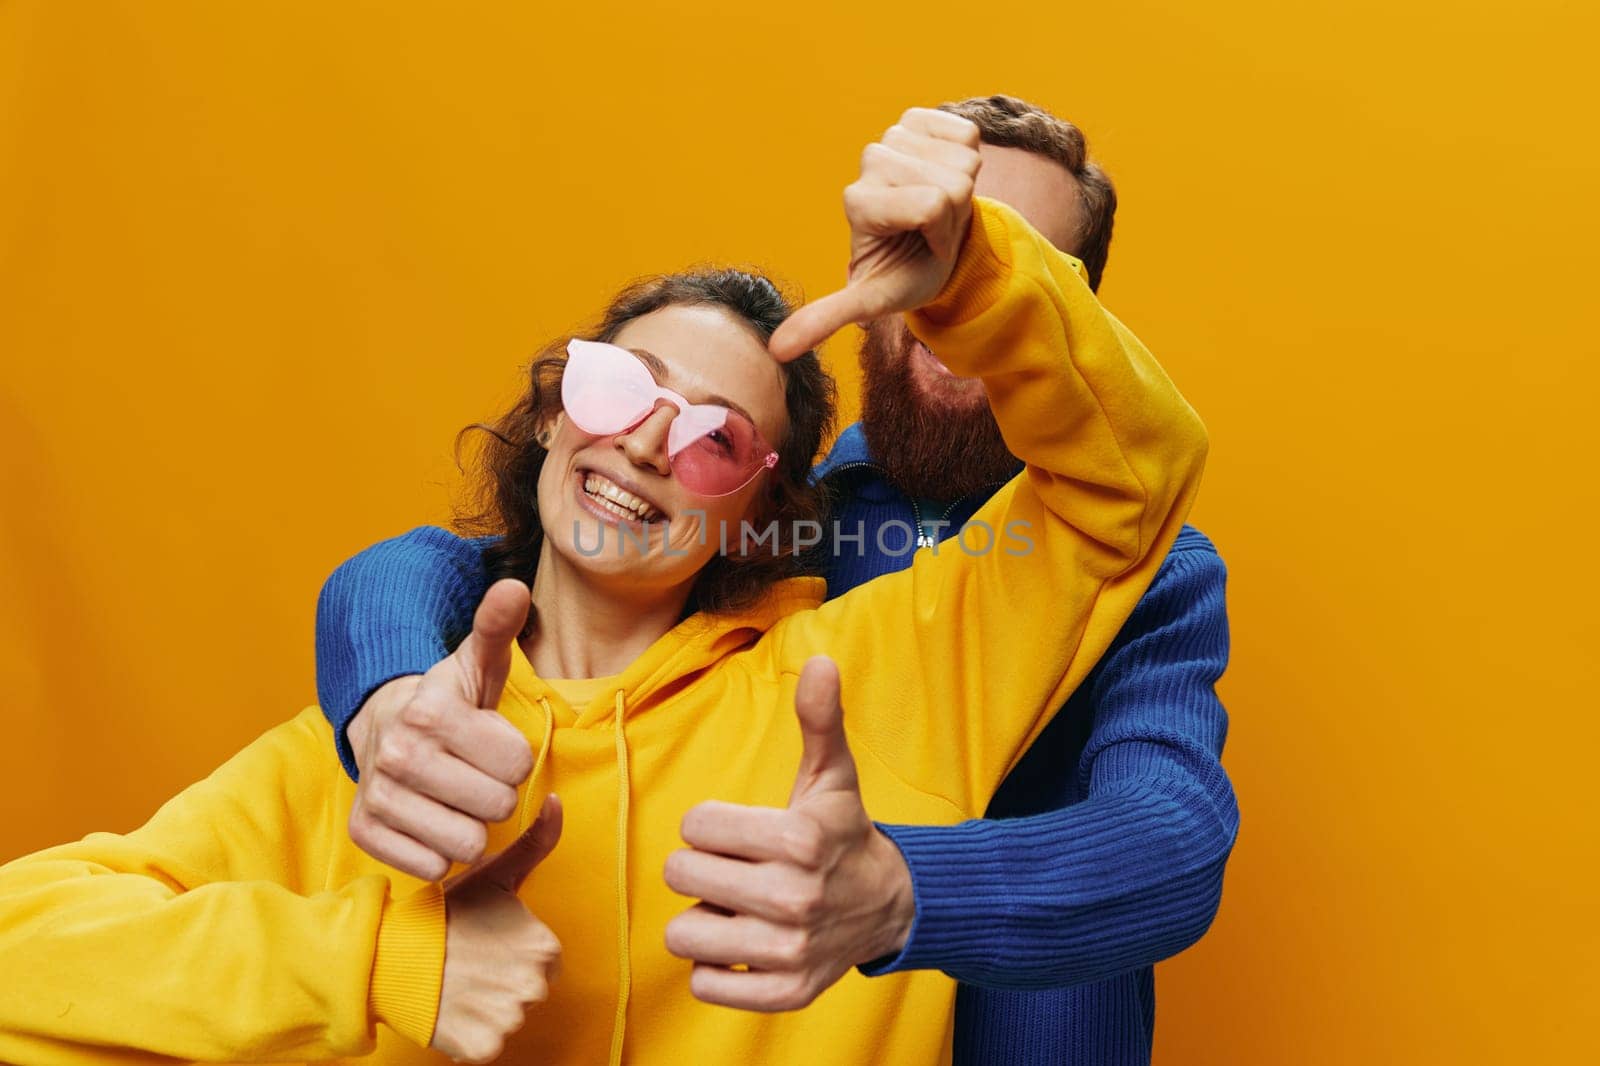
(259, 262)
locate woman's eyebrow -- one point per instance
(659, 368)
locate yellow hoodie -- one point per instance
(240, 923)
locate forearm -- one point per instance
(1076, 895)
(120, 965)
(388, 612)
(213, 931)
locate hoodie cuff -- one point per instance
(408, 970)
(981, 272)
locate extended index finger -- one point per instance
(817, 321)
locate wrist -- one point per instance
(899, 908)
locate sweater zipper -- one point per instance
(924, 538)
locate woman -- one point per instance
(241, 923)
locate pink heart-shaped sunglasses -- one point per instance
(713, 450)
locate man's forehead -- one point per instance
(1039, 189)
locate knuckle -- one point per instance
(800, 904)
(422, 714)
(504, 803)
(375, 797)
(792, 948)
(546, 948)
(800, 993)
(471, 841)
(794, 994)
(396, 756)
(481, 1048)
(521, 764)
(454, 843)
(803, 842)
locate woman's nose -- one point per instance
(646, 443)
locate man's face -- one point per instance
(933, 431)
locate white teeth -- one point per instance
(620, 501)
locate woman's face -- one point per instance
(708, 356)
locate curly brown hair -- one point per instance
(507, 504)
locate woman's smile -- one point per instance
(615, 500)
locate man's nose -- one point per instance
(646, 443)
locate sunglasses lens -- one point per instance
(722, 459)
(604, 389)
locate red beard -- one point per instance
(931, 431)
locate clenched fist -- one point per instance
(499, 959)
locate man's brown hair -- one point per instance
(1006, 122)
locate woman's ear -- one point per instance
(548, 428)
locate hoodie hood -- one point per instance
(678, 656)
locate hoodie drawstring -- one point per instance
(624, 966)
(538, 764)
(624, 963)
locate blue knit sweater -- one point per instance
(1102, 852)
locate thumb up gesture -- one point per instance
(908, 215)
(438, 761)
(798, 895)
(499, 959)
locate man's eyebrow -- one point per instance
(658, 367)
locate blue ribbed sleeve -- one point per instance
(1130, 870)
(391, 611)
